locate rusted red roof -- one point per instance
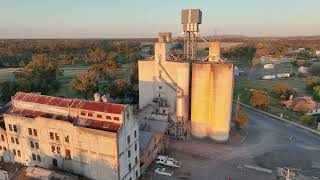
(102, 107)
(42, 99)
(32, 114)
(100, 125)
(73, 103)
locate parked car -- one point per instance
(167, 161)
(163, 171)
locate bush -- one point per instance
(282, 89)
(316, 92)
(259, 98)
(308, 120)
(312, 81)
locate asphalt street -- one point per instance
(270, 144)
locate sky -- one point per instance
(145, 18)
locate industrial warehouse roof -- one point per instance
(87, 122)
(72, 103)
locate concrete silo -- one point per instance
(211, 96)
(221, 91)
(200, 99)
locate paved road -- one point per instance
(268, 145)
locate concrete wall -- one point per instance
(167, 79)
(130, 129)
(155, 147)
(94, 153)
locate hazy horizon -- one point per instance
(35, 19)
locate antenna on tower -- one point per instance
(190, 20)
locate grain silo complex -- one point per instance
(195, 92)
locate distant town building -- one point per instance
(95, 139)
(268, 66)
(318, 53)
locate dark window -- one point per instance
(53, 149)
(137, 173)
(58, 150)
(128, 139)
(116, 118)
(4, 148)
(99, 116)
(108, 117)
(90, 114)
(10, 127)
(136, 160)
(54, 162)
(31, 144)
(68, 154)
(37, 145)
(66, 139)
(2, 137)
(51, 136)
(17, 141)
(14, 152)
(83, 113)
(35, 132)
(0, 147)
(34, 157)
(135, 133)
(129, 166)
(12, 139)
(160, 87)
(19, 153)
(30, 131)
(57, 137)
(129, 154)
(164, 111)
(38, 158)
(15, 128)
(135, 146)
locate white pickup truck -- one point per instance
(167, 161)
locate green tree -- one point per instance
(10, 88)
(316, 92)
(42, 72)
(282, 89)
(119, 89)
(97, 55)
(308, 120)
(85, 83)
(133, 73)
(259, 98)
(312, 81)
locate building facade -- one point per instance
(94, 139)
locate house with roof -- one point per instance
(98, 140)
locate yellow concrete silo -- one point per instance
(211, 96)
(200, 99)
(221, 91)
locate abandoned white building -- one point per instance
(95, 139)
